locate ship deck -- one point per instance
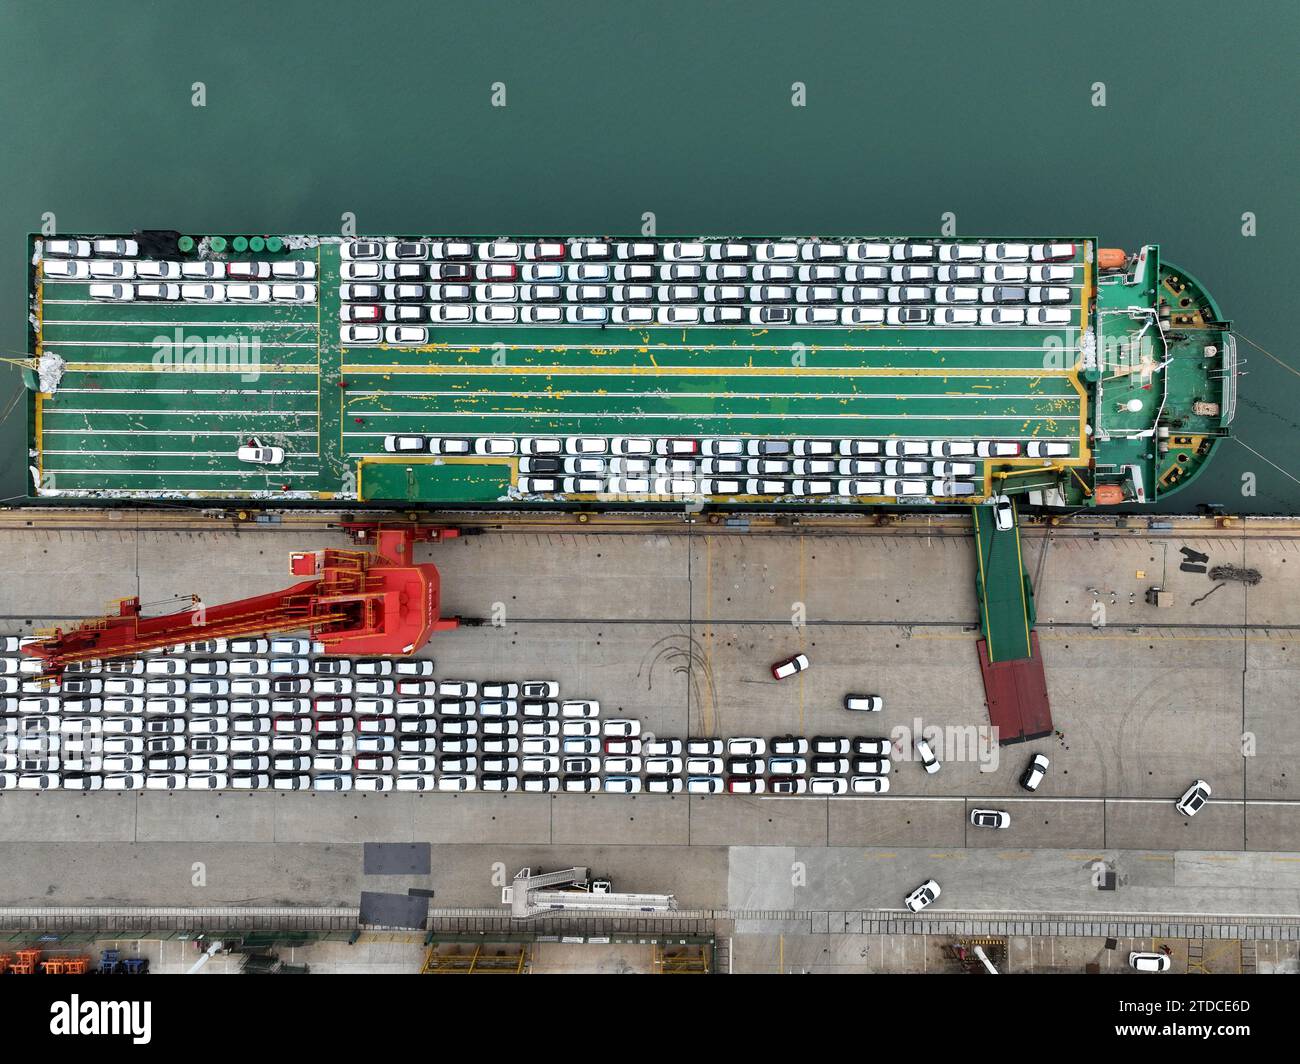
(129, 422)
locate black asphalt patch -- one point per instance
(393, 910)
(396, 859)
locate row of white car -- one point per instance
(799, 249)
(691, 487)
(913, 291)
(204, 293)
(163, 270)
(628, 275)
(536, 449)
(680, 316)
(455, 782)
(598, 465)
(662, 761)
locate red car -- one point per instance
(790, 666)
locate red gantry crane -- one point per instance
(377, 601)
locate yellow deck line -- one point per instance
(697, 370)
(37, 431)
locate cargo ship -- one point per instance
(803, 373)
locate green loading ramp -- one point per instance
(1006, 597)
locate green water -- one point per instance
(912, 110)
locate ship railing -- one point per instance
(1229, 380)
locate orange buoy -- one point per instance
(1111, 258)
(1108, 495)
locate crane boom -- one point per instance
(375, 601)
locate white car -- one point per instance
(1148, 962)
(926, 756)
(922, 896)
(541, 445)
(783, 669)
(248, 293)
(415, 782)
(65, 269)
(294, 269)
(745, 746)
(862, 316)
(912, 252)
(1051, 252)
(405, 336)
(1050, 294)
(1052, 274)
(956, 316)
(1047, 449)
(1194, 798)
(1004, 513)
(494, 445)
(1006, 252)
(902, 488)
(361, 271)
(997, 449)
(250, 667)
(866, 252)
(585, 445)
(869, 784)
(61, 246)
(990, 818)
(119, 271)
(961, 252)
(904, 468)
(1049, 316)
(1033, 774)
(953, 469)
(361, 334)
(291, 293)
(261, 455)
(1003, 316)
(864, 703)
(781, 251)
(622, 784)
(118, 293)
